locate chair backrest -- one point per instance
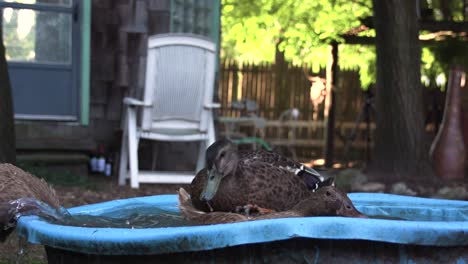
(180, 72)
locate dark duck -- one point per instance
(23, 194)
(326, 201)
(261, 179)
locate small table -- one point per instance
(233, 124)
(232, 127)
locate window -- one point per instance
(47, 49)
(37, 36)
(199, 17)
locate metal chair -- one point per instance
(177, 104)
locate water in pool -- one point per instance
(141, 215)
(135, 216)
(144, 216)
(415, 212)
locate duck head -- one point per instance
(328, 201)
(221, 160)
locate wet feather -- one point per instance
(16, 184)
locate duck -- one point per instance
(264, 179)
(22, 193)
(194, 215)
(326, 201)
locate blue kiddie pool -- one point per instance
(404, 230)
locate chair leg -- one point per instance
(211, 133)
(133, 148)
(154, 156)
(205, 144)
(123, 171)
(201, 156)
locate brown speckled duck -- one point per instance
(233, 179)
(326, 201)
(194, 215)
(15, 184)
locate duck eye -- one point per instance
(328, 193)
(348, 207)
(212, 177)
(221, 155)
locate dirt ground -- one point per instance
(98, 189)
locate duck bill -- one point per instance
(211, 186)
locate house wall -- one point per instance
(119, 31)
(119, 34)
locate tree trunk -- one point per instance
(465, 10)
(330, 129)
(401, 146)
(282, 92)
(445, 8)
(7, 128)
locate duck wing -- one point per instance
(7, 220)
(15, 183)
(21, 193)
(311, 177)
(192, 214)
(271, 186)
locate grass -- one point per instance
(64, 177)
(25, 260)
(33, 254)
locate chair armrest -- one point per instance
(134, 102)
(212, 105)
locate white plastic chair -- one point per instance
(177, 104)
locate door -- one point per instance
(42, 48)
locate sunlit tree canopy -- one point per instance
(255, 30)
(252, 30)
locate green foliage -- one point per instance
(58, 177)
(253, 30)
(361, 57)
(456, 9)
(439, 57)
(430, 68)
(17, 47)
(451, 51)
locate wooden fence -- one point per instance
(276, 90)
(262, 84)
